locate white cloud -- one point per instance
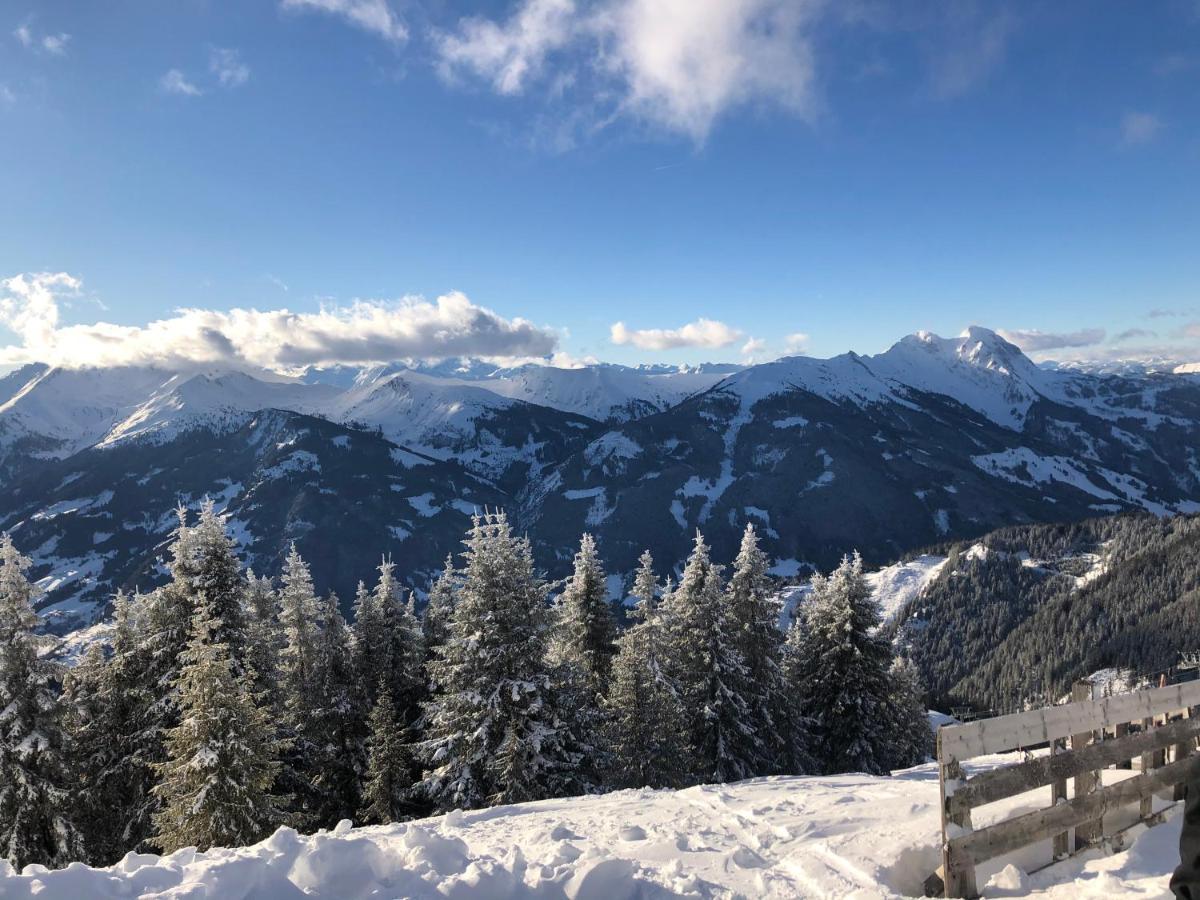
(701, 333)
(753, 349)
(360, 333)
(508, 54)
(375, 16)
(797, 342)
(1033, 341)
(175, 82)
(1139, 128)
(55, 44)
(678, 64)
(7, 95)
(227, 65)
(973, 46)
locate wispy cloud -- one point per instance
(974, 45)
(362, 332)
(226, 64)
(1032, 340)
(7, 95)
(1139, 128)
(54, 44)
(753, 350)
(796, 343)
(175, 82)
(1130, 334)
(675, 64)
(701, 333)
(375, 16)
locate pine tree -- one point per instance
(264, 640)
(709, 673)
(388, 644)
(215, 786)
(585, 630)
(646, 724)
(838, 669)
(216, 584)
(113, 759)
(492, 733)
(332, 730)
(754, 624)
(911, 737)
(35, 799)
(389, 770)
(435, 623)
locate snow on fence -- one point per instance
(1146, 725)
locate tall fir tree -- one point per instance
(215, 787)
(216, 585)
(709, 672)
(492, 735)
(264, 639)
(113, 755)
(386, 789)
(435, 622)
(35, 793)
(837, 668)
(333, 729)
(753, 615)
(647, 729)
(912, 738)
(585, 631)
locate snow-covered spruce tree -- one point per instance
(388, 644)
(435, 623)
(911, 737)
(35, 799)
(385, 795)
(585, 632)
(838, 670)
(300, 692)
(646, 728)
(264, 639)
(333, 729)
(215, 787)
(112, 754)
(217, 583)
(492, 735)
(709, 673)
(754, 622)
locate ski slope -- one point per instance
(847, 836)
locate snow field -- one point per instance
(845, 836)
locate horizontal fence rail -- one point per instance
(1081, 721)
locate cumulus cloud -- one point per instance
(1139, 128)
(753, 350)
(375, 16)
(361, 333)
(226, 64)
(175, 82)
(797, 342)
(1034, 341)
(701, 333)
(679, 64)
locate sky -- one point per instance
(295, 182)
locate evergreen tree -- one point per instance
(492, 732)
(215, 786)
(435, 623)
(265, 640)
(585, 628)
(389, 770)
(34, 771)
(911, 737)
(332, 730)
(754, 623)
(839, 669)
(113, 755)
(646, 724)
(388, 644)
(709, 673)
(216, 583)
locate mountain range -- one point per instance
(934, 439)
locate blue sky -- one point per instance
(801, 175)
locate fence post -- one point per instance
(1085, 782)
(958, 871)
(1058, 791)
(1122, 730)
(1182, 750)
(1146, 808)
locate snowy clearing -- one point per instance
(852, 836)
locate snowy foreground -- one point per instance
(843, 836)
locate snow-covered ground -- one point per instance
(847, 836)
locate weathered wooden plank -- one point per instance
(1058, 791)
(1086, 781)
(1182, 749)
(988, 787)
(1012, 834)
(958, 870)
(1039, 726)
(1146, 805)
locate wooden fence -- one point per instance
(1145, 725)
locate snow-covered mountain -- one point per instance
(935, 438)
